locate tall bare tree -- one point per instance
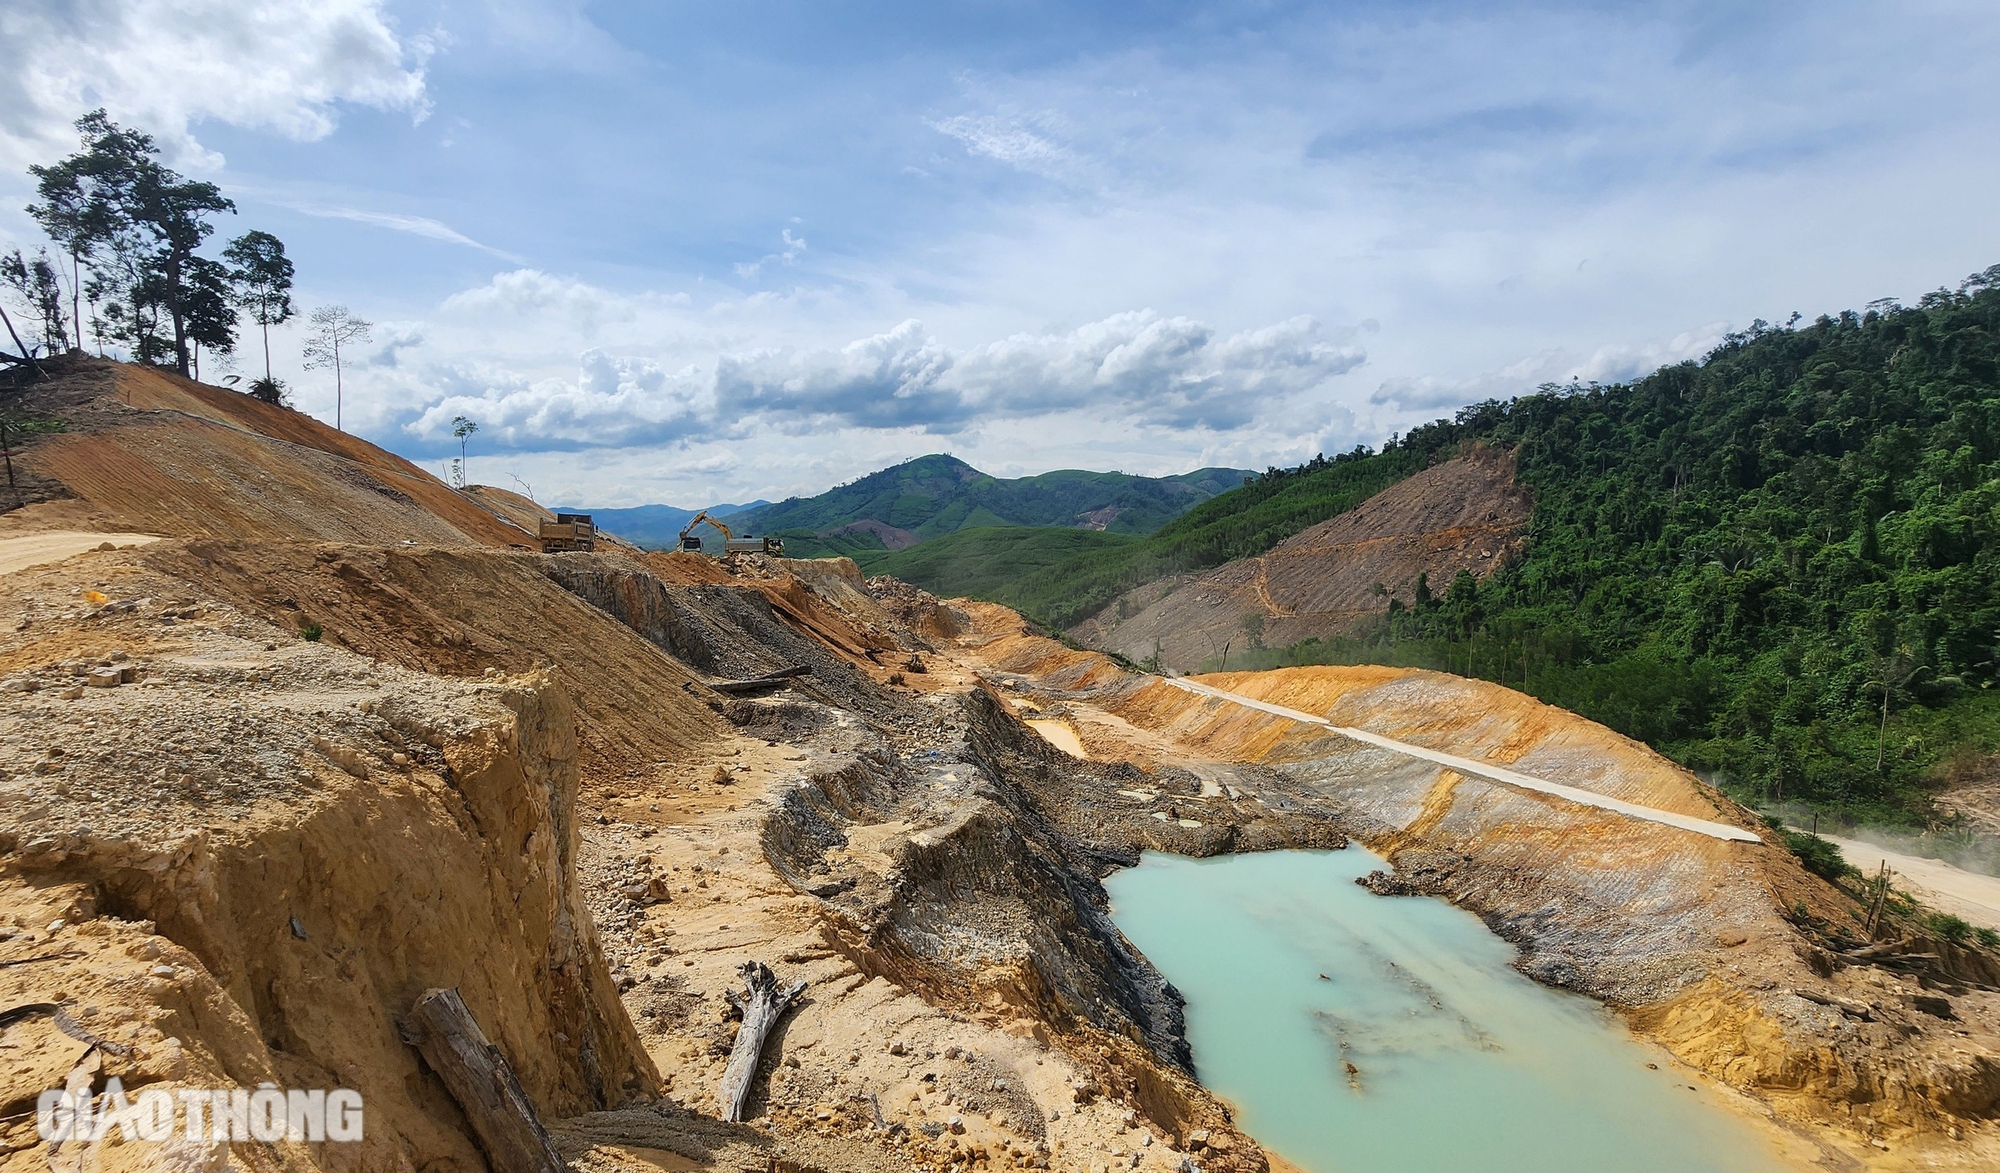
(334, 330)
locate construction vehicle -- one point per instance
(569, 531)
(731, 544)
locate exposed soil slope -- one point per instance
(1730, 954)
(1463, 514)
(261, 788)
(266, 779)
(165, 455)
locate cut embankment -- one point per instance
(1497, 773)
(1465, 514)
(255, 863)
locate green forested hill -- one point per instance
(992, 562)
(1780, 565)
(932, 496)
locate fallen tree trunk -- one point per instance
(478, 1077)
(771, 680)
(762, 1004)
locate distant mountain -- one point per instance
(656, 527)
(932, 496)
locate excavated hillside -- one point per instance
(1462, 514)
(1882, 1054)
(291, 733)
(294, 733)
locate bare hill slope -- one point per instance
(1463, 514)
(147, 451)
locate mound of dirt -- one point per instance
(1464, 514)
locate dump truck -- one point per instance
(569, 531)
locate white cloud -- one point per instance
(789, 254)
(165, 65)
(1606, 364)
(612, 402)
(669, 373)
(396, 222)
(1017, 140)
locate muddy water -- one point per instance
(1060, 735)
(1421, 1049)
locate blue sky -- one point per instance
(691, 253)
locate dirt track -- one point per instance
(1968, 895)
(40, 549)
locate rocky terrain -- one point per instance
(1462, 514)
(278, 755)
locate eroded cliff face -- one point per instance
(260, 856)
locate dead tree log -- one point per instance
(478, 1077)
(762, 1004)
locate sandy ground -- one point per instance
(41, 549)
(1968, 895)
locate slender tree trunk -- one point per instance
(267, 349)
(174, 310)
(338, 392)
(1882, 737)
(25, 356)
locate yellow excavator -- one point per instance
(731, 544)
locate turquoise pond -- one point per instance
(1458, 1061)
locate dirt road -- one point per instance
(1968, 895)
(40, 549)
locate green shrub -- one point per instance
(1820, 858)
(1946, 927)
(310, 631)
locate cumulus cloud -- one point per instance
(612, 402)
(1135, 369)
(522, 296)
(164, 65)
(1151, 370)
(1606, 364)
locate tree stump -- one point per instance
(479, 1078)
(762, 1004)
